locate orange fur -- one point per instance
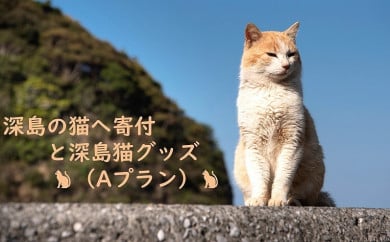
(256, 51)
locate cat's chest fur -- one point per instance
(264, 110)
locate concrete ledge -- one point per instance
(132, 222)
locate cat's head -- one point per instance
(271, 54)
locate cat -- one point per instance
(63, 180)
(211, 181)
(278, 159)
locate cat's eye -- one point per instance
(271, 54)
(290, 54)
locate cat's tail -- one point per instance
(325, 200)
(66, 174)
(216, 178)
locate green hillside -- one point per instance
(52, 69)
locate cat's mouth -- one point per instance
(281, 74)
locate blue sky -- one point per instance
(193, 48)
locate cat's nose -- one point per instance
(286, 66)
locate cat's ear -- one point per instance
(292, 30)
(252, 34)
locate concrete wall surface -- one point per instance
(135, 222)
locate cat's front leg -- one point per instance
(258, 170)
(287, 164)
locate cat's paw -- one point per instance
(256, 201)
(277, 202)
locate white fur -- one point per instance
(263, 108)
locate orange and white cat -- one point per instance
(278, 159)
